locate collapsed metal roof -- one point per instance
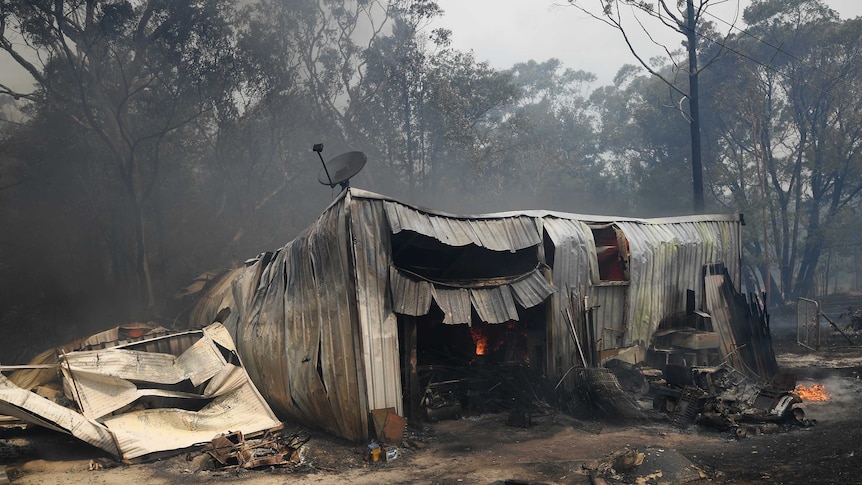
(110, 386)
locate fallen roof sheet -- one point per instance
(134, 400)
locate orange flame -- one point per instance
(817, 392)
(480, 339)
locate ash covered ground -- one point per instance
(556, 448)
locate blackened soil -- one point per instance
(827, 452)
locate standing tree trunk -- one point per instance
(694, 108)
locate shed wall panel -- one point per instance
(378, 323)
(296, 335)
(608, 303)
(666, 260)
(570, 274)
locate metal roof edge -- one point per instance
(540, 213)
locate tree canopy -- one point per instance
(165, 139)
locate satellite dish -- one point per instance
(340, 169)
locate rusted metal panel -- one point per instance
(497, 234)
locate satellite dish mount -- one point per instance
(340, 169)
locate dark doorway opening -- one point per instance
(450, 371)
(469, 366)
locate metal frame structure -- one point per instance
(808, 323)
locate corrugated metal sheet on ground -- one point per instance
(104, 381)
(151, 430)
(33, 408)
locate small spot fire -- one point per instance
(815, 392)
(480, 340)
(724, 398)
(505, 342)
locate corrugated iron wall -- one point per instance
(609, 308)
(666, 260)
(570, 274)
(378, 325)
(296, 333)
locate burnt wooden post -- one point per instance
(409, 368)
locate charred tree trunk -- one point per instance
(810, 257)
(694, 109)
(142, 260)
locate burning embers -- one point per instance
(725, 398)
(478, 369)
(505, 342)
(815, 392)
(480, 340)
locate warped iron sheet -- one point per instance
(103, 382)
(495, 303)
(455, 303)
(503, 234)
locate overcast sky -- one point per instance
(504, 32)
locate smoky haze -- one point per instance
(191, 152)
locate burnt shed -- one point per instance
(341, 320)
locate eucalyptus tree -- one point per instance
(788, 120)
(460, 119)
(546, 151)
(642, 138)
(130, 75)
(427, 109)
(437, 129)
(690, 19)
(392, 92)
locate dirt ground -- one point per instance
(555, 449)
